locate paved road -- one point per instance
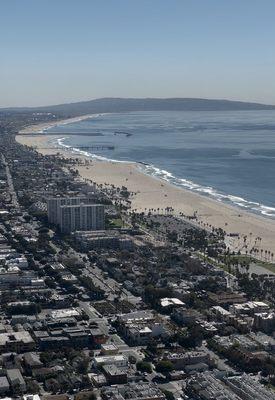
(10, 184)
(221, 362)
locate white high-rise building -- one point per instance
(76, 214)
(54, 204)
(82, 217)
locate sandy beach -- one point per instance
(152, 193)
(40, 128)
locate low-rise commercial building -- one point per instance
(114, 375)
(134, 391)
(119, 360)
(16, 380)
(102, 239)
(181, 360)
(18, 342)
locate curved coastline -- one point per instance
(208, 191)
(153, 192)
(41, 128)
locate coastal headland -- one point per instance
(246, 230)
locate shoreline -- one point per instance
(40, 128)
(157, 194)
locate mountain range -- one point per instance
(105, 105)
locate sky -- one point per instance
(59, 51)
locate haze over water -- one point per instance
(229, 156)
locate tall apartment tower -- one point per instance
(82, 217)
(76, 214)
(54, 204)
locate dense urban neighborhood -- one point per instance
(100, 301)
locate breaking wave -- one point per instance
(167, 176)
(209, 191)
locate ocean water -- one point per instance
(228, 156)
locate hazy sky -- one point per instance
(55, 51)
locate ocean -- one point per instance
(228, 156)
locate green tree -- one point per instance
(83, 365)
(144, 366)
(164, 367)
(169, 395)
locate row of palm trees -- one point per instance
(259, 253)
(268, 255)
(255, 251)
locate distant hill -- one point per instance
(106, 105)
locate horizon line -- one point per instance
(134, 98)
